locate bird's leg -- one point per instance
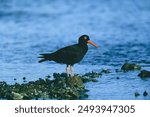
(71, 69)
(67, 70)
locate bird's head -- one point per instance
(84, 39)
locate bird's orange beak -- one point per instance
(90, 42)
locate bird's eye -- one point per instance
(85, 38)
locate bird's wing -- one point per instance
(68, 54)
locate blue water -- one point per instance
(120, 28)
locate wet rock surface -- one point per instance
(144, 74)
(61, 87)
(130, 66)
(90, 77)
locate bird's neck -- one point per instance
(84, 46)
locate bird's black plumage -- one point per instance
(69, 55)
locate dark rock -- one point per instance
(92, 75)
(128, 66)
(145, 93)
(87, 79)
(57, 75)
(137, 94)
(117, 78)
(117, 70)
(48, 76)
(24, 78)
(8, 95)
(144, 74)
(86, 90)
(26, 97)
(106, 71)
(94, 80)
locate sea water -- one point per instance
(121, 28)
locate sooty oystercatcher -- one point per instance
(69, 55)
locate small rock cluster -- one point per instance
(129, 66)
(143, 74)
(90, 77)
(138, 94)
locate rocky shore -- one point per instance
(61, 87)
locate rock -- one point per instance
(106, 71)
(117, 70)
(48, 76)
(66, 87)
(144, 74)
(87, 79)
(94, 80)
(15, 79)
(57, 75)
(24, 78)
(16, 96)
(137, 94)
(128, 66)
(8, 95)
(145, 93)
(92, 75)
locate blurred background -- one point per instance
(120, 27)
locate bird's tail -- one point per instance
(45, 57)
(42, 60)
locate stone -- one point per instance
(137, 94)
(16, 96)
(24, 78)
(144, 74)
(106, 71)
(129, 66)
(92, 75)
(145, 93)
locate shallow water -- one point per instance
(120, 28)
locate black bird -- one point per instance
(69, 55)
